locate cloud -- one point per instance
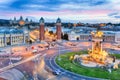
(40, 1)
(68, 10)
(84, 5)
(117, 16)
(6, 1)
(33, 6)
(4, 4)
(113, 13)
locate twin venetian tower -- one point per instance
(42, 29)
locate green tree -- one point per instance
(51, 32)
(65, 36)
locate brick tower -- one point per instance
(41, 36)
(58, 31)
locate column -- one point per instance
(58, 26)
(41, 30)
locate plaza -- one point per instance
(46, 58)
(59, 39)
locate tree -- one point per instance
(77, 38)
(62, 36)
(51, 32)
(30, 42)
(65, 36)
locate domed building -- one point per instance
(12, 36)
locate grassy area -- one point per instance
(92, 72)
(116, 55)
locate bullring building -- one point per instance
(12, 36)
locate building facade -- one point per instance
(12, 37)
(87, 37)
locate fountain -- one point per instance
(97, 56)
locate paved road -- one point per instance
(18, 63)
(50, 61)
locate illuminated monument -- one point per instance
(42, 32)
(41, 36)
(21, 21)
(58, 26)
(97, 56)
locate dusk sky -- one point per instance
(90, 11)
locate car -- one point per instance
(34, 51)
(56, 72)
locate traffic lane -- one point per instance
(48, 59)
(73, 76)
(67, 73)
(62, 75)
(49, 64)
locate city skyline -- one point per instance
(89, 11)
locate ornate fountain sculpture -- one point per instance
(97, 57)
(97, 54)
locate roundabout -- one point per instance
(96, 72)
(94, 62)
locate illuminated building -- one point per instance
(21, 21)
